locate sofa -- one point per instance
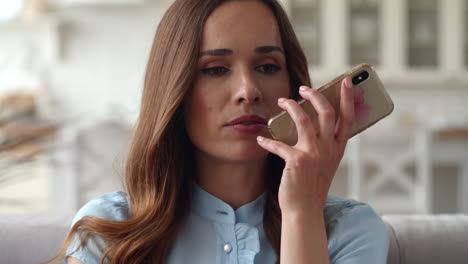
(414, 239)
(427, 239)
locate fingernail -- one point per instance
(349, 84)
(260, 138)
(302, 88)
(280, 100)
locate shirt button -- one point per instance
(227, 247)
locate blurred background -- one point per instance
(71, 75)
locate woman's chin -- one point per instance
(240, 151)
(248, 153)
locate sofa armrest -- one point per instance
(31, 238)
(427, 239)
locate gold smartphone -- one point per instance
(371, 101)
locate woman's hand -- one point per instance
(312, 163)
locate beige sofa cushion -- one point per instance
(428, 239)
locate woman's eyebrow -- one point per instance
(216, 52)
(225, 52)
(268, 49)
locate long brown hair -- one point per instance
(160, 162)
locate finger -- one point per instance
(306, 132)
(276, 147)
(326, 113)
(346, 117)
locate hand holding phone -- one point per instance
(371, 103)
(312, 161)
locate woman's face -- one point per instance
(241, 74)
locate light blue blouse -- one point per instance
(215, 233)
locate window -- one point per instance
(423, 33)
(364, 39)
(305, 17)
(10, 9)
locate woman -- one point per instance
(204, 182)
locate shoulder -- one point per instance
(337, 208)
(112, 206)
(356, 233)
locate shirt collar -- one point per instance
(215, 209)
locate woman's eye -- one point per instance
(215, 71)
(268, 68)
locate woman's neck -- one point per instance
(235, 182)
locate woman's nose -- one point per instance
(247, 89)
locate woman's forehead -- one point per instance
(246, 23)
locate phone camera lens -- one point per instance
(360, 77)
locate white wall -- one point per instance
(104, 57)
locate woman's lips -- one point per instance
(249, 124)
(248, 128)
